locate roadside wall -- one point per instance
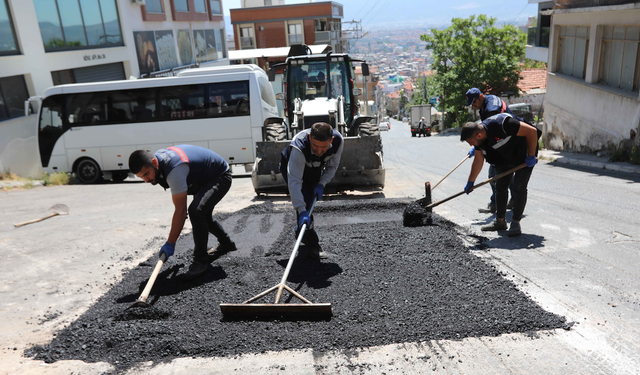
(584, 117)
(19, 147)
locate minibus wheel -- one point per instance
(88, 171)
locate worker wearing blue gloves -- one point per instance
(307, 165)
(189, 170)
(504, 141)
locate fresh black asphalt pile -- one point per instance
(387, 284)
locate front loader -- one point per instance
(320, 88)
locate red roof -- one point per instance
(532, 79)
(394, 95)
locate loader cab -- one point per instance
(319, 79)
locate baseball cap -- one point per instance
(472, 94)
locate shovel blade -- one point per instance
(284, 311)
(139, 303)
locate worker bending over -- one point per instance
(189, 170)
(505, 142)
(307, 165)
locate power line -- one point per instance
(374, 5)
(516, 17)
(379, 9)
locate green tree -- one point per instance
(473, 52)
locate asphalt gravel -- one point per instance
(387, 284)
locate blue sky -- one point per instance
(381, 13)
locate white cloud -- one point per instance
(468, 6)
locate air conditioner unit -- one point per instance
(137, 2)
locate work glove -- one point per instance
(468, 187)
(318, 191)
(304, 219)
(472, 152)
(168, 248)
(531, 161)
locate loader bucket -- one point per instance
(361, 166)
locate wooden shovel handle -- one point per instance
(477, 186)
(152, 279)
(454, 168)
(36, 220)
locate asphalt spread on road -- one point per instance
(387, 284)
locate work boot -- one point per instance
(491, 208)
(196, 269)
(510, 204)
(316, 252)
(223, 248)
(495, 226)
(514, 230)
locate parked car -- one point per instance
(523, 111)
(405, 119)
(384, 126)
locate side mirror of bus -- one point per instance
(280, 96)
(272, 75)
(357, 92)
(27, 108)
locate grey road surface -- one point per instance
(578, 257)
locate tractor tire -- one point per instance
(275, 132)
(368, 129)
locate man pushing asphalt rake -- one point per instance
(305, 310)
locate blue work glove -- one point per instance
(468, 187)
(531, 161)
(318, 191)
(304, 219)
(472, 152)
(168, 248)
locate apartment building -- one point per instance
(593, 79)
(274, 26)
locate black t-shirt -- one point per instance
(502, 145)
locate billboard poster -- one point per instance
(219, 43)
(201, 46)
(212, 52)
(184, 47)
(146, 51)
(166, 49)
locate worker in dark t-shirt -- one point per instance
(505, 142)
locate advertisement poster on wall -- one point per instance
(146, 51)
(212, 53)
(166, 49)
(184, 47)
(201, 46)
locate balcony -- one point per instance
(323, 36)
(544, 37)
(246, 42)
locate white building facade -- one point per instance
(49, 42)
(593, 98)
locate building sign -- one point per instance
(166, 47)
(336, 11)
(95, 56)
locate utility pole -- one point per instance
(354, 32)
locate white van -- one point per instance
(92, 128)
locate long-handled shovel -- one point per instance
(142, 300)
(476, 186)
(454, 168)
(249, 310)
(57, 209)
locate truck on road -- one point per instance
(417, 112)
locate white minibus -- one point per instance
(92, 128)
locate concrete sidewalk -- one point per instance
(588, 160)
